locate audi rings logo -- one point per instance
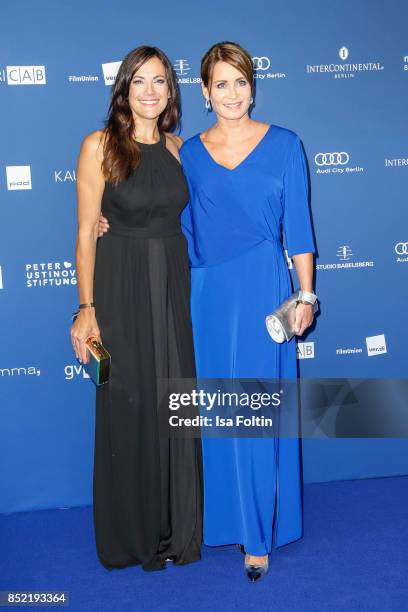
(401, 248)
(261, 63)
(332, 159)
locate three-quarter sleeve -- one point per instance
(297, 224)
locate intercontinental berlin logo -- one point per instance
(50, 274)
(401, 249)
(344, 69)
(335, 162)
(345, 261)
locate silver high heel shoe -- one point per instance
(256, 572)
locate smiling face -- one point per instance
(148, 90)
(229, 92)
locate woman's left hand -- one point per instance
(303, 318)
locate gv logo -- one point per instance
(401, 248)
(261, 63)
(331, 159)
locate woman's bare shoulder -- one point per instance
(173, 138)
(93, 143)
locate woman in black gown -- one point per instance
(134, 288)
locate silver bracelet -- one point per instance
(307, 296)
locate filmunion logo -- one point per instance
(345, 254)
(53, 274)
(110, 70)
(261, 68)
(335, 163)
(182, 68)
(401, 249)
(82, 78)
(64, 176)
(305, 350)
(72, 371)
(26, 75)
(349, 351)
(376, 345)
(22, 371)
(18, 177)
(344, 70)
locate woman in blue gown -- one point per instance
(238, 204)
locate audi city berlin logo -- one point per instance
(261, 63)
(332, 159)
(401, 248)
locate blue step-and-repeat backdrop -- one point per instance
(335, 73)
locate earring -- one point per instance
(208, 104)
(251, 100)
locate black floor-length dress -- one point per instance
(147, 489)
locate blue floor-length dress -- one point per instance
(233, 224)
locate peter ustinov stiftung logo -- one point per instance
(182, 69)
(110, 71)
(262, 70)
(18, 177)
(401, 250)
(50, 274)
(26, 75)
(376, 345)
(305, 350)
(344, 69)
(335, 162)
(345, 258)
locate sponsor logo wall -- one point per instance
(344, 94)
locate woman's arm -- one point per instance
(304, 312)
(90, 186)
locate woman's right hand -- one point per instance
(103, 225)
(85, 325)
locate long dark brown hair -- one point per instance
(121, 153)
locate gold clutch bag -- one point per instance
(98, 366)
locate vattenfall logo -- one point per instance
(262, 65)
(24, 75)
(335, 162)
(344, 70)
(401, 249)
(50, 274)
(182, 69)
(345, 261)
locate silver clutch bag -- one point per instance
(281, 321)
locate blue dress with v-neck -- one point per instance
(234, 224)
